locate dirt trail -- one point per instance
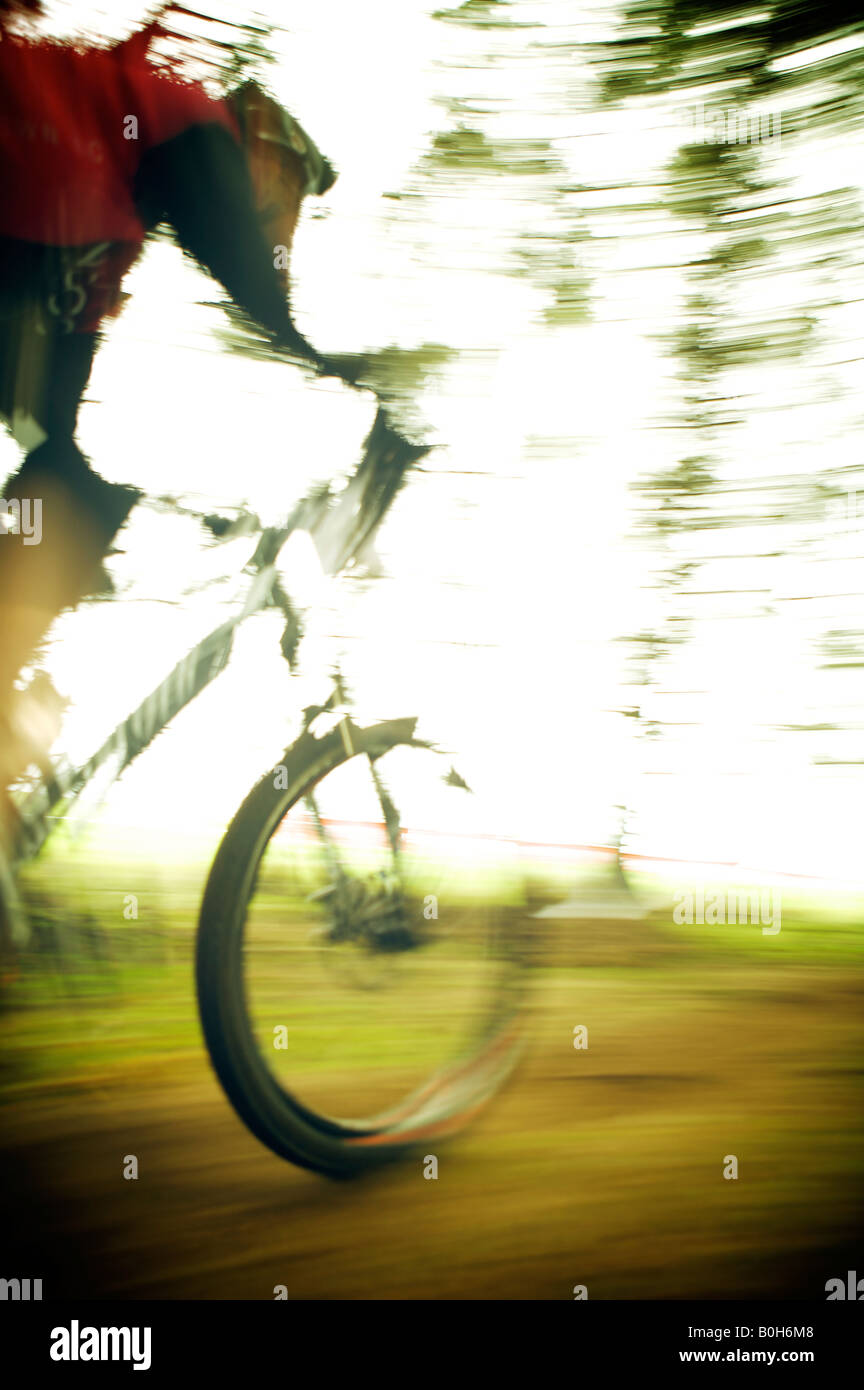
(601, 1167)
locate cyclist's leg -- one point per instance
(66, 515)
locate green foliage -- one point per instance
(480, 14)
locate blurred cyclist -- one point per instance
(97, 146)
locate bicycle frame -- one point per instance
(196, 670)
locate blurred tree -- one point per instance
(733, 64)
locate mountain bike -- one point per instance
(359, 998)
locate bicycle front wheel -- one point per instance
(358, 957)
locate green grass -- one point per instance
(72, 1015)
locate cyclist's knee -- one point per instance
(58, 472)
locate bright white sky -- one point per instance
(520, 667)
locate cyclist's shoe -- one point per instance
(101, 585)
(109, 503)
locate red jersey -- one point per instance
(75, 124)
